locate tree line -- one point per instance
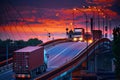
(10, 46)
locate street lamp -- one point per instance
(107, 23)
(85, 17)
(65, 21)
(98, 10)
(92, 18)
(86, 28)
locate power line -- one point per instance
(22, 18)
(7, 19)
(3, 23)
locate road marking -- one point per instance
(6, 72)
(62, 52)
(81, 49)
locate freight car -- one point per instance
(29, 62)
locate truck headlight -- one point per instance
(80, 39)
(90, 41)
(74, 39)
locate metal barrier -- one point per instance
(6, 68)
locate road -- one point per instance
(8, 75)
(61, 53)
(58, 55)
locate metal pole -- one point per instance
(110, 29)
(98, 21)
(106, 26)
(103, 27)
(6, 54)
(86, 30)
(73, 19)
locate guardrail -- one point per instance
(6, 65)
(71, 64)
(6, 68)
(53, 42)
(5, 62)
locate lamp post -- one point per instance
(86, 22)
(106, 25)
(110, 28)
(92, 18)
(103, 25)
(7, 54)
(98, 17)
(65, 21)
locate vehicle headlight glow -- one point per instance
(90, 41)
(80, 39)
(74, 39)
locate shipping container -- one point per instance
(29, 61)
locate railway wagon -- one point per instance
(29, 62)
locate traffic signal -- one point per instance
(106, 28)
(49, 35)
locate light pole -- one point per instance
(110, 28)
(65, 21)
(86, 22)
(98, 10)
(106, 17)
(92, 23)
(7, 54)
(103, 25)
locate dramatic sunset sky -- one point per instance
(24, 19)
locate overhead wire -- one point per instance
(8, 22)
(3, 23)
(22, 18)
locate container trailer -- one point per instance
(29, 62)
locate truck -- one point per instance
(29, 62)
(88, 37)
(78, 34)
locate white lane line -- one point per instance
(54, 47)
(81, 49)
(62, 52)
(53, 66)
(5, 72)
(58, 46)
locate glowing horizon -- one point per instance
(29, 21)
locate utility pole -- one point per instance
(7, 54)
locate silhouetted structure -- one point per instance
(116, 50)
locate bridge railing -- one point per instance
(73, 63)
(6, 65)
(5, 62)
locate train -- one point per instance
(29, 62)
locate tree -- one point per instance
(116, 50)
(34, 42)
